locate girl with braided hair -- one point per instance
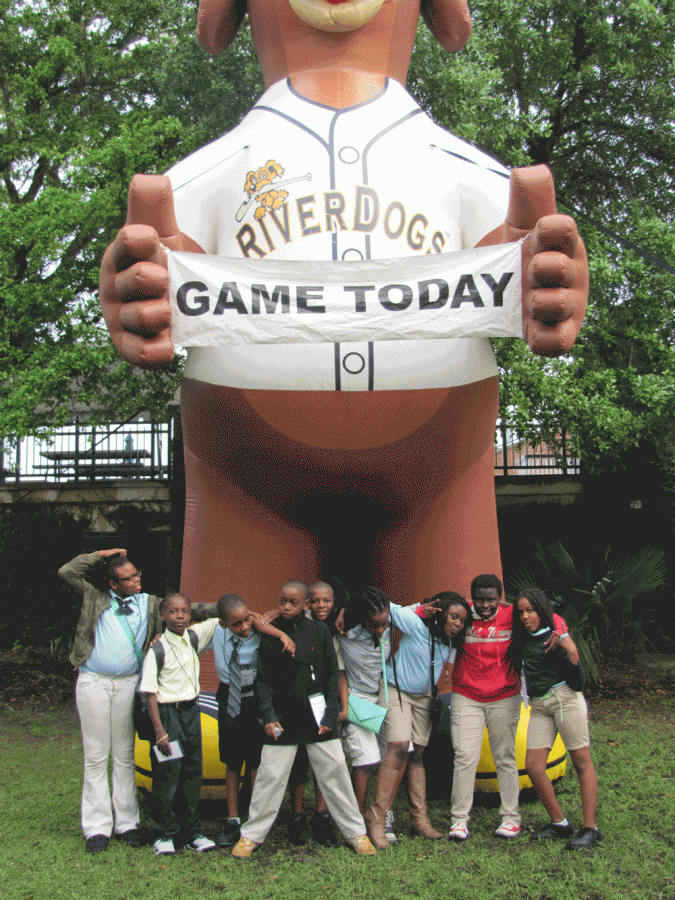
(554, 682)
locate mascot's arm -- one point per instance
(554, 262)
(134, 282)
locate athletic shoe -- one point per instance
(97, 843)
(389, 832)
(584, 839)
(230, 835)
(164, 847)
(552, 832)
(244, 848)
(362, 845)
(322, 830)
(298, 832)
(201, 844)
(458, 832)
(508, 830)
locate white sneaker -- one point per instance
(458, 832)
(164, 847)
(508, 830)
(389, 832)
(201, 844)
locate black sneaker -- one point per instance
(553, 831)
(298, 832)
(97, 843)
(231, 834)
(584, 839)
(322, 830)
(132, 838)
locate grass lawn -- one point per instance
(42, 849)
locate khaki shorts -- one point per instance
(562, 711)
(409, 720)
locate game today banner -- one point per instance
(472, 293)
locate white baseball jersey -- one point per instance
(301, 181)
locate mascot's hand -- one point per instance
(554, 263)
(134, 282)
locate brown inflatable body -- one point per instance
(264, 467)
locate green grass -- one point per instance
(42, 849)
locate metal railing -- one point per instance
(138, 450)
(143, 451)
(516, 457)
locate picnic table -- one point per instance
(114, 463)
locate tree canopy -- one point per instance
(75, 124)
(89, 91)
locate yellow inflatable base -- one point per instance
(486, 777)
(213, 785)
(213, 782)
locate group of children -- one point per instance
(290, 677)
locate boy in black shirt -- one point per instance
(295, 694)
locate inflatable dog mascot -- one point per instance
(337, 162)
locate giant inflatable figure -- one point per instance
(337, 162)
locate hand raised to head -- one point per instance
(114, 551)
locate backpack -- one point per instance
(142, 721)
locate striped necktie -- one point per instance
(234, 696)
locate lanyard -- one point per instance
(127, 627)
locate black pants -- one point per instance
(176, 784)
(240, 739)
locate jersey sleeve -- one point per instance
(484, 202)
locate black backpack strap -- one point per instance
(158, 650)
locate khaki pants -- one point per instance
(469, 719)
(104, 705)
(328, 762)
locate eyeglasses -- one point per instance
(131, 577)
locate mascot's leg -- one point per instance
(446, 530)
(237, 538)
(444, 541)
(235, 544)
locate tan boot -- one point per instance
(387, 785)
(417, 792)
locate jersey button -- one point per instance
(348, 155)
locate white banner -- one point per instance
(448, 295)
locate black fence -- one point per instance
(138, 450)
(516, 457)
(143, 451)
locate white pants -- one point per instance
(328, 762)
(469, 719)
(105, 708)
